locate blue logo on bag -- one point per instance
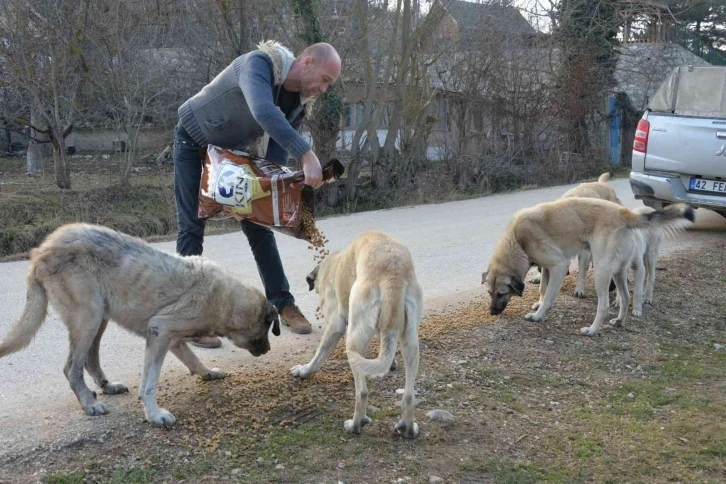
(225, 185)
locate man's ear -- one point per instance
(312, 277)
(484, 276)
(517, 286)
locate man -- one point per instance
(263, 91)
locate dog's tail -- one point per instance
(36, 307)
(671, 219)
(604, 178)
(393, 316)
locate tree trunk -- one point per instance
(60, 162)
(325, 120)
(34, 155)
(245, 42)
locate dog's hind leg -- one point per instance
(639, 282)
(157, 344)
(556, 275)
(185, 354)
(650, 259)
(583, 261)
(602, 281)
(365, 308)
(621, 282)
(93, 366)
(406, 426)
(83, 326)
(333, 333)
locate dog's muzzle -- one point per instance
(259, 347)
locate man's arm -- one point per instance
(255, 79)
(275, 152)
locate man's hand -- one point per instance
(312, 169)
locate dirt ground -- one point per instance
(530, 403)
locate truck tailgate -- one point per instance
(686, 145)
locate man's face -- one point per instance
(317, 76)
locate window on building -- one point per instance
(442, 114)
(386, 116)
(352, 115)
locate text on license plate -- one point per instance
(718, 186)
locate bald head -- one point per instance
(322, 52)
(314, 70)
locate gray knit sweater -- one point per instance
(240, 105)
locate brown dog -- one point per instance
(92, 274)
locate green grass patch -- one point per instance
(63, 478)
(136, 475)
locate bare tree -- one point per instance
(44, 48)
(136, 68)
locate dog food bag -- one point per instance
(239, 185)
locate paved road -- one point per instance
(450, 243)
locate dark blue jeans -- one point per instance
(190, 237)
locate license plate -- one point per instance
(701, 184)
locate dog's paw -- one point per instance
(649, 302)
(352, 427)
(409, 432)
(163, 418)
(532, 317)
(536, 306)
(301, 371)
(637, 312)
(536, 279)
(579, 293)
(587, 331)
(95, 409)
(114, 388)
(213, 374)
(616, 322)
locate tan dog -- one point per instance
(648, 245)
(371, 287)
(550, 234)
(92, 274)
(599, 190)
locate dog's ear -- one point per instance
(484, 276)
(517, 286)
(312, 277)
(272, 318)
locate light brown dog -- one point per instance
(371, 288)
(92, 274)
(599, 190)
(550, 234)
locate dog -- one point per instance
(92, 274)
(654, 238)
(648, 244)
(599, 190)
(551, 233)
(371, 288)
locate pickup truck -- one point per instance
(679, 149)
